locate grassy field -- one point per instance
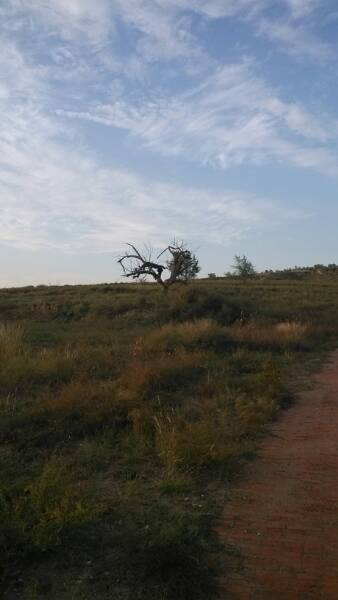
(124, 412)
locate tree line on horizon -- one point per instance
(179, 264)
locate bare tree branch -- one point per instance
(181, 264)
(136, 265)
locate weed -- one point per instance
(39, 516)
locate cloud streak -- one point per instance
(51, 198)
(231, 118)
(296, 40)
(163, 29)
(55, 194)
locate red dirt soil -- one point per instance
(281, 519)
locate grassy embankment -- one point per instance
(124, 412)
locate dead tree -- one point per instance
(180, 264)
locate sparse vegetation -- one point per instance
(124, 412)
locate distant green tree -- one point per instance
(184, 263)
(212, 275)
(243, 266)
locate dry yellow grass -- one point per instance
(283, 334)
(11, 340)
(171, 336)
(144, 377)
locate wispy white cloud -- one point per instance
(295, 40)
(301, 8)
(68, 19)
(163, 28)
(55, 193)
(231, 118)
(71, 203)
(82, 36)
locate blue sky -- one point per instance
(215, 121)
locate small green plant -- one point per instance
(40, 516)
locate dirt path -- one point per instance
(282, 516)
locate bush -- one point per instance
(192, 335)
(197, 303)
(22, 366)
(209, 439)
(40, 516)
(83, 406)
(285, 335)
(167, 372)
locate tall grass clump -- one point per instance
(82, 406)
(160, 375)
(11, 340)
(197, 303)
(41, 515)
(285, 335)
(195, 335)
(23, 366)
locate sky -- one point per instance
(211, 121)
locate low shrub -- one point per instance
(11, 340)
(285, 335)
(208, 439)
(165, 373)
(191, 335)
(22, 367)
(82, 406)
(40, 516)
(197, 303)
